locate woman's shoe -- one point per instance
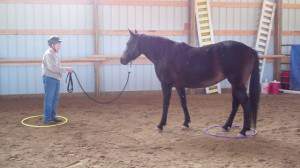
(57, 120)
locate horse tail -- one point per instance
(254, 90)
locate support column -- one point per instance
(96, 46)
(277, 39)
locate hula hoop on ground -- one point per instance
(223, 134)
(65, 120)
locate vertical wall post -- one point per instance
(192, 24)
(277, 39)
(96, 46)
(97, 77)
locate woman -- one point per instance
(52, 72)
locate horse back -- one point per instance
(188, 66)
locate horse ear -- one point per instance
(131, 33)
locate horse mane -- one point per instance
(156, 45)
(160, 39)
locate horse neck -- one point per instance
(150, 48)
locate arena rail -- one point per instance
(98, 60)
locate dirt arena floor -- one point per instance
(124, 134)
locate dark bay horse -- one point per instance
(182, 66)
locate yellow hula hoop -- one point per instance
(43, 126)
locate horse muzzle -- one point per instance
(123, 61)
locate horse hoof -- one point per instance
(226, 128)
(240, 135)
(244, 130)
(159, 128)
(184, 127)
(243, 133)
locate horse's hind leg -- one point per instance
(167, 91)
(241, 95)
(235, 106)
(182, 96)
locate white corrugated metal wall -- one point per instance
(25, 79)
(142, 18)
(19, 79)
(290, 18)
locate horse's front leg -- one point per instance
(167, 91)
(182, 96)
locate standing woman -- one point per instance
(52, 73)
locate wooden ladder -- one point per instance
(205, 32)
(264, 32)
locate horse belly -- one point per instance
(203, 81)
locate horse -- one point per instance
(180, 65)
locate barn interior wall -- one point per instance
(113, 17)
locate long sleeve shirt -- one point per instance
(51, 65)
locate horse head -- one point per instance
(132, 49)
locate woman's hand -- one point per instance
(69, 69)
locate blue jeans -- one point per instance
(51, 98)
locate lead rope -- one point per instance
(70, 88)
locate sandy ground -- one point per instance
(124, 134)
